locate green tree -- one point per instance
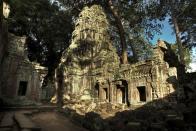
(48, 28)
(187, 54)
(182, 17)
(187, 21)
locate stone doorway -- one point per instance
(105, 93)
(142, 93)
(97, 90)
(22, 88)
(120, 94)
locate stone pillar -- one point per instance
(59, 89)
(125, 97)
(111, 92)
(148, 92)
(4, 30)
(1, 22)
(130, 86)
(1, 42)
(99, 92)
(4, 9)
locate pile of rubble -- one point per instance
(108, 117)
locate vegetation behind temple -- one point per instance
(48, 26)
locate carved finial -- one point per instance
(6, 9)
(161, 43)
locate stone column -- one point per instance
(1, 22)
(99, 92)
(4, 9)
(111, 92)
(148, 92)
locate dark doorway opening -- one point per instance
(105, 93)
(123, 94)
(97, 90)
(142, 93)
(120, 94)
(22, 88)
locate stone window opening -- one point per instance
(142, 93)
(22, 88)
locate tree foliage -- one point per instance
(47, 26)
(187, 55)
(182, 18)
(127, 17)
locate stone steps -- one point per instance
(25, 123)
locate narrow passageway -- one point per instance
(53, 121)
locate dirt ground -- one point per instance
(53, 121)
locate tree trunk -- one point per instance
(121, 33)
(179, 43)
(59, 83)
(135, 57)
(181, 68)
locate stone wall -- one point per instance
(157, 79)
(141, 82)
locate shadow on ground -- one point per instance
(156, 115)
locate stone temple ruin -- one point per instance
(19, 77)
(90, 68)
(94, 87)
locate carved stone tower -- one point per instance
(90, 56)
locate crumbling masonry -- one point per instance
(90, 68)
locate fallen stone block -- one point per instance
(133, 126)
(156, 127)
(191, 126)
(25, 123)
(26, 130)
(5, 129)
(7, 121)
(171, 116)
(27, 112)
(177, 123)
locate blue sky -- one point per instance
(167, 33)
(169, 36)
